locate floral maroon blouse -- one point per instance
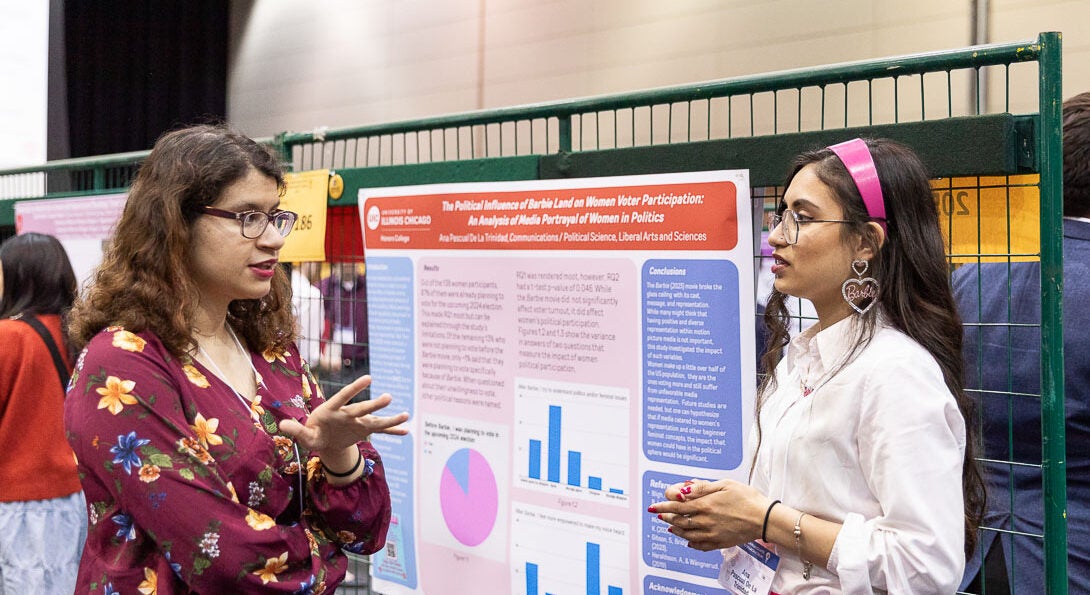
(187, 491)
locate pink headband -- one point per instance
(857, 158)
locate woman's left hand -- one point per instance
(715, 515)
(336, 425)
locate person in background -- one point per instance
(1001, 306)
(345, 355)
(210, 461)
(306, 304)
(42, 520)
(862, 478)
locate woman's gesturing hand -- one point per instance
(336, 424)
(712, 514)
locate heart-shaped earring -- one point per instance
(861, 288)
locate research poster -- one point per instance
(567, 349)
(83, 225)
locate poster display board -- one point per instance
(567, 349)
(83, 225)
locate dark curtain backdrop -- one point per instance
(137, 68)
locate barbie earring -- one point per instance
(861, 288)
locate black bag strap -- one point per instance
(58, 361)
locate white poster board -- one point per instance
(567, 349)
(83, 225)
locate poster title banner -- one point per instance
(637, 217)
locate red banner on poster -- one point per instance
(695, 216)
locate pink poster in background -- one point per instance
(82, 225)
(87, 217)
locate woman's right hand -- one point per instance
(713, 514)
(684, 491)
(336, 425)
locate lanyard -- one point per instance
(249, 405)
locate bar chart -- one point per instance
(554, 553)
(572, 439)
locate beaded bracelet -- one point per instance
(764, 526)
(806, 566)
(359, 459)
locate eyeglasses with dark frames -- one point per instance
(793, 221)
(253, 223)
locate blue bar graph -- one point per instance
(554, 443)
(593, 576)
(531, 579)
(553, 447)
(574, 459)
(594, 566)
(557, 559)
(535, 459)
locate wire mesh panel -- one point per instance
(71, 177)
(424, 143)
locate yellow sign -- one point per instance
(990, 219)
(306, 195)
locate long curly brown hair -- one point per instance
(915, 296)
(145, 281)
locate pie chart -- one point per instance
(468, 496)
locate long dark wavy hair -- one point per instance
(145, 281)
(915, 295)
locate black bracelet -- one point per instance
(359, 459)
(764, 526)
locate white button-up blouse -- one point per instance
(877, 446)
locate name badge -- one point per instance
(748, 569)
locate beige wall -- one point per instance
(336, 63)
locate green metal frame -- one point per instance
(549, 140)
(1050, 148)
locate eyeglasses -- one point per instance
(253, 223)
(793, 220)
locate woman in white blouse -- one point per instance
(862, 478)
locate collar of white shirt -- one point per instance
(815, 352)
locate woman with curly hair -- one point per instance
(210, 460)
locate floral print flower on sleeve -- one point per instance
(148, 585)
(116, 394)
(272, 568)
(125, 451)
(129, 342)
